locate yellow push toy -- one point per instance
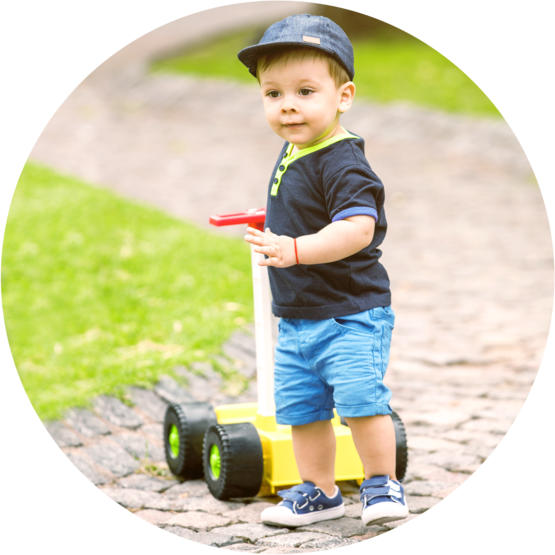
(240, 449)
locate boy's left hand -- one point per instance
(279, 248)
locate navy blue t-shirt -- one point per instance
(309, 190)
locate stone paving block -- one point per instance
(200, 388)
(139, 447)
(249, 513)
(243, 341)
(86, 423)
(425, 488)
(329, 543)
(251, 532)
(181, 532)
(201, 370)
(455, 462)
(420, 504)
(246, 362)
(147, 401)
(130, 498)
(62, 435)
(354, 510)
(155, 433)
(246, 547)
(437, 474)
(443, 493)
(145, 483)
(116, 412)
(169, 390)
(284, 550)
(159, 502)
(198, 521)
(189, 488)
(87, 469)
(112, 457)
(205, 369)
(293, 539)
(344, 527)
(431, 444)
(397, 523)
(483, 438)
(508, 395)
(444, 418)
(153, 516)
(499, 409)
(371, 532)
(207, 504)
(480, 451)
(206, 538)
(494, 426)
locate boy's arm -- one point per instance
(334, 242)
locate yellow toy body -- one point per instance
(240, 449)
(280, 468)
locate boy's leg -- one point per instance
(317, 498)
(381, 494)
(314, 447)
(374, 438)
(305, 402)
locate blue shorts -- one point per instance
(340, 362)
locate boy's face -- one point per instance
(302, 102)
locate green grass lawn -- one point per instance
(387, 69)
(99, 292)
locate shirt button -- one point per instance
(281, 168)
(276, 180)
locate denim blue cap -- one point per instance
(311, 31)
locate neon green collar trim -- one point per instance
(288, 158)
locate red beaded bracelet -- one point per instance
(296, 254)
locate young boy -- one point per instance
(325, 220)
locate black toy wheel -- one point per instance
(401, 450)
(233, 461)
(402, 454)
(184, 427)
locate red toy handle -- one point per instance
(255, 217)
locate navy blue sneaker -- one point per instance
(383, 500)
(304, 504)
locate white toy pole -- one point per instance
(262, 310)
(263, 336)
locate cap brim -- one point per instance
(248, 56)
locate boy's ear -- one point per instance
(347, 93)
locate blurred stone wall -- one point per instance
(176, 35)
(358, 25)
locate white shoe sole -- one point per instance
(380, 513)
(282, 516)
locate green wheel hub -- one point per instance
(215, 461)
(174, 441)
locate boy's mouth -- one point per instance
(292, 124)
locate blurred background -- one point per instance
(111, 275)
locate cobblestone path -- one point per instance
(468, 251)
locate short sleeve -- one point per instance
(352, 191)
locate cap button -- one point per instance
(276, 180)
(281, 168)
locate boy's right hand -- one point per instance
(279, 248)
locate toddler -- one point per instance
(325, 220)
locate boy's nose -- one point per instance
(288, 107)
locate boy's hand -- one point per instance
(279, 248)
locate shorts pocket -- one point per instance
(359, 323)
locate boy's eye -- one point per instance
(273, 94)
(305, 92)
